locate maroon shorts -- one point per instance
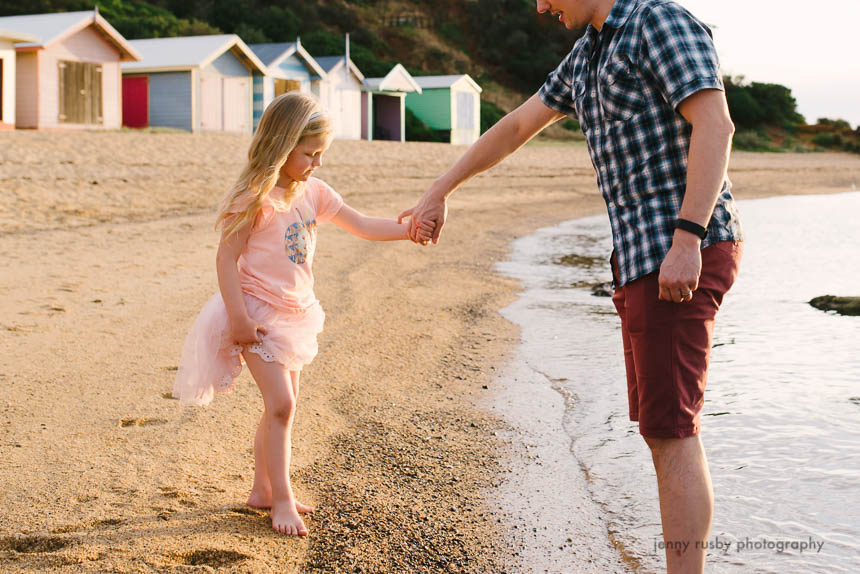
(667, 345)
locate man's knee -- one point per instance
(661, 446)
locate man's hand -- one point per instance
(679, 273)
(431, 209)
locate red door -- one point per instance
(135, 101)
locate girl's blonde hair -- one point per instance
(286, 121)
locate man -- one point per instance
(645, 85)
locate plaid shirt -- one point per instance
(624, 84)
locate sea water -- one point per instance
(781, 421)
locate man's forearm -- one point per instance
(708, 156)
(707, 163)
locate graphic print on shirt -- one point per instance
(299, 238)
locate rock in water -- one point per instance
(842, 305)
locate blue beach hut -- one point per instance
(195, 83)
(289, 68)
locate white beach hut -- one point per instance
(194, 83)
(340, 94)
(450, 104)
(383, 105)
(7, 75)
(289, 68)
(68, 75)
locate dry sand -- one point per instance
(107, 247)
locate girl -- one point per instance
(266, 313)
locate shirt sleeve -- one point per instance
(267, 210)
(328, 202)
(557, 90)
(678, 51)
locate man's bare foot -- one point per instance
(286, 520)
(264, 500)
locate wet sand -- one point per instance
(107, 251)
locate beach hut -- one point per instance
(450, 104)
(340, 94)
(68, 75)
(383, 105)
(289, 68)
(194, 83)
(7, 75)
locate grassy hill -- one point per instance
(504, 44)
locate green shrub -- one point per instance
(825, 139)
(839, 124)
(490, 114)
(751, 140)
(571, 125)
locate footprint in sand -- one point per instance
(33, 544)
(140, 422)
(213, 557)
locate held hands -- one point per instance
(431, 210)
(245, 331)
(419, 231)
(679, 273)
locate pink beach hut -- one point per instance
(383, 105)
(68, 76)
(7, 75)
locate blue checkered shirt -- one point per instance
(624, 85)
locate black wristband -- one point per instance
(692, 227)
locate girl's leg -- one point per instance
(302, 508)
(279, 403)
(261, 492)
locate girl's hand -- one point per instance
(423, 230)
(245, 331)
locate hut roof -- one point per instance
(330, 63)
(274, 54)
(45, 29)
(17, 36)
(440, 82)
(397, 80)
(187, 52)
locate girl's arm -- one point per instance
(243, 328)
(375, 228)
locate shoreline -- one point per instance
(394, 439)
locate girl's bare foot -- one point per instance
(261, 499)
(286, 520)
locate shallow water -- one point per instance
(781, 422)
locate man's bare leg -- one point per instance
(686, 501)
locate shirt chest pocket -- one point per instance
(620, 90)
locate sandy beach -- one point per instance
(107, 250)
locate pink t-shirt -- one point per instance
(276, 263)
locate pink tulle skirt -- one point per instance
(211, 360)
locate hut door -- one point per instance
(211, 104)
(80, 93)
(237, 105)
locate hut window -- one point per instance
(80, 93)
(284, 86)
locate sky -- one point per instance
(812, 47)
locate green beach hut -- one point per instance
(448, 104)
